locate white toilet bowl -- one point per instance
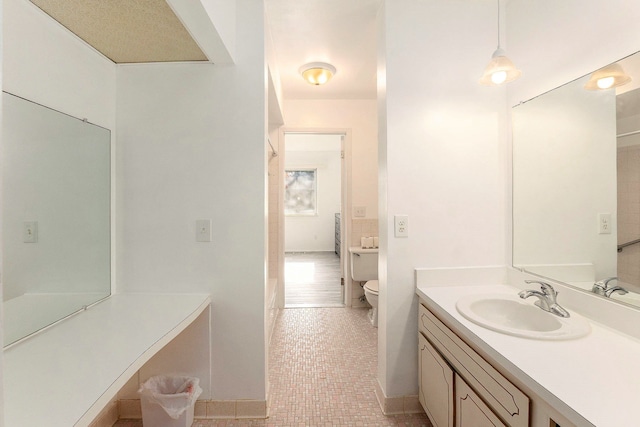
(371, 293)
(364, 269)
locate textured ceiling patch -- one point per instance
(126, 31)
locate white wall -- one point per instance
(359, 115)
(223, 15)
(317, 232)
(442, 161)
(192, 146)
(1, 236)
(45, 63)
(556, 42)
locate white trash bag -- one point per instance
(175, 394)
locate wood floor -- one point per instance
(312, 279)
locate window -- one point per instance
(300, 192)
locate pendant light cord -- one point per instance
(498, 1)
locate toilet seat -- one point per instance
(372, 286)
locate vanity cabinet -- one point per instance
(471, 411)
(478, 395)
(436, 385)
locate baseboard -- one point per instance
(398, 405)
(130, 409)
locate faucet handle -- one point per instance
(546, 288)
(604, 283)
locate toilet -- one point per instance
(364, 268)
(371, 293)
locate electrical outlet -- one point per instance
(401, 223)
(604, 223)
(359, 211)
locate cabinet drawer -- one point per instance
(471, 411)
(506, 400)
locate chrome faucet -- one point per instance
(602, 288)
(546, 298)
(617, 288)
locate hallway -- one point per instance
(323, 365)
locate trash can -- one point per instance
(169, 401)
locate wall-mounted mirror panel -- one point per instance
(55, 215)
(576, 185)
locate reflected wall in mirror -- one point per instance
(576, 185)
(56, 215)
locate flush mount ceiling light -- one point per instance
(608, 77)
(317, 73)
(500, 69)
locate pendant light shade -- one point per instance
(608, 77)
(317, 73)
(499, 70)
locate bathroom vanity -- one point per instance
(472, 376)
(442, 355)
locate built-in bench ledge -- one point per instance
(66, 374)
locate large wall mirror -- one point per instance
(576, 182)
(56, 215)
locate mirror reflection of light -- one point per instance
(499, 77)
(300, 272)
(605, 82)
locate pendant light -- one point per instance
(608, 77)
(317, 73)
(500, 69)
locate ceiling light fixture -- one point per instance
(317, 73)
(500, 69)
(608, 77)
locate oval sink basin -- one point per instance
(510, 314)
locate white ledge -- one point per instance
(65, 375)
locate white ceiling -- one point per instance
(340, 32)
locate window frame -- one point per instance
(289, 213)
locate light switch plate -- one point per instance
(359, 211)
(30, 232)
(203, 230)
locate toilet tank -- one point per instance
(364, 264)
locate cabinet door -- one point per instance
(471, 411)
(436, 385)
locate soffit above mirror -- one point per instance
(127, 31)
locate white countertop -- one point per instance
(65, 375)
(29, 313)
(594, 379)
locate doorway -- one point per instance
(313, 232)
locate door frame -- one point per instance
(345, 208)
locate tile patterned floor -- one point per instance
(312, 279)
(322, 372)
